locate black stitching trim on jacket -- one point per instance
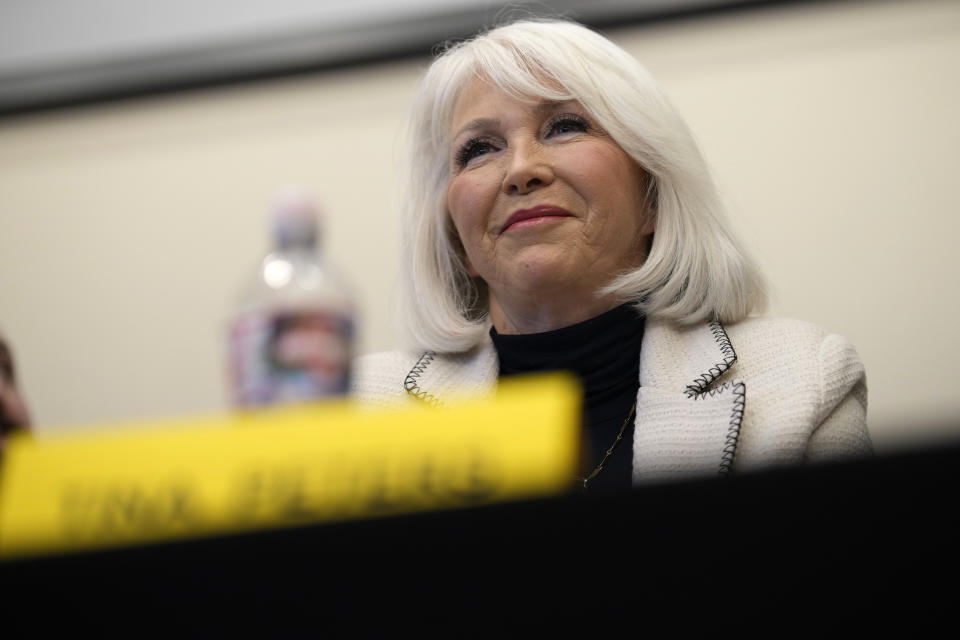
(700, 384)
(709, 393)
(733, 433)
(410, 382)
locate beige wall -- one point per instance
(126, 229)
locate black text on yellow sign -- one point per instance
(286, 466)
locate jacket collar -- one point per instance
(439, 378)
(687, 360)
(688, 414)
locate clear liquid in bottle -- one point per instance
(291, 337)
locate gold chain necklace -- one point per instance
(593, 474)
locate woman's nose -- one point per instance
(529, 169)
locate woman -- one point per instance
(13, 410)
(560, 216)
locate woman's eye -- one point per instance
(473, 149)
(567, 124)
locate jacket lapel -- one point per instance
(688, 416)
(439, 378)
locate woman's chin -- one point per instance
(544, 276)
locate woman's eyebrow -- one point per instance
(479, 123)
(549, 106)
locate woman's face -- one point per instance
(544, 201)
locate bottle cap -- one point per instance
(295, 218)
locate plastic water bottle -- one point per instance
(291, 337)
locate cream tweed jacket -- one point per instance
(759, 393)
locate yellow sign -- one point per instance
(286, 466)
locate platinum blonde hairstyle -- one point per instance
(696, 269)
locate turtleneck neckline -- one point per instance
(602, 351)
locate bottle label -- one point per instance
(290, 357)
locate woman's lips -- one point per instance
(534, 215)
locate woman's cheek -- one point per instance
(468, 205)
(469, 208)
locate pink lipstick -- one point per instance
(534, 215)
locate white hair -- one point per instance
(696, 268)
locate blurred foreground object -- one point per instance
(291, 338)
(13, 410)
(866, 544)
(286, 466)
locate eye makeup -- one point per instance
(569, 122)
(558, 124)
(472, 148)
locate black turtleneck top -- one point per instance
(604, 353)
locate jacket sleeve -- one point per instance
(841, 429)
